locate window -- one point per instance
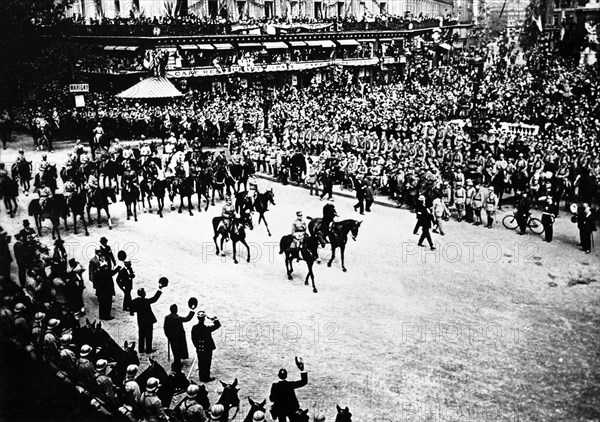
(340, 9)
(268, 9)
(318, 10)
(213, 8)
(383, 8)
(241, 5)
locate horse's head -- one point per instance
(354, 229)
(111, 194)
(255, 407)
(270, 196)
(343, 415)
(229, 398)
(300, 416)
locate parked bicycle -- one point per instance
(534, 224)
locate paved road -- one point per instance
(471, 331)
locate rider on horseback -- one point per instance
(45, 196)
(130, 177)
(92, 185)
(298, 231)
(228, 214)
(329, 214)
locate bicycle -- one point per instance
(534, 224)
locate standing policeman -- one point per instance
(549, 213)
(204, 344)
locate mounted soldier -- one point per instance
(329, 214)
(298, 231)
(228, 214)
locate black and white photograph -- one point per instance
(299, 211)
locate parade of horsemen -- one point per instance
(203, 203)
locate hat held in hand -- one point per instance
(163, 282)
(193, 303)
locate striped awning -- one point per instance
(297, 43)
(189, 47)
(348, 42)
(314, 43)
(275, 45)
(250, 45)
(205, 47)
(223, 46)
(151, 88)
(327, 44)
(120, 48)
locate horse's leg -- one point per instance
(99, 216)
(190, 206)
(342, 248)
(65, 220)
(161, 204)
(206, 196)
(180, 203)
(38, 223)
(288, 265)
(212, 202)
(235, 261)
(312, 275)
(265, 221)
(333, 248)
(222, 250)
(128, 208)
(84, 223)
(215, 240)
(74, 222)
(107, 217)
(89, 215)
(247, 249)
(134, 205)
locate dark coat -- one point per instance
(141, 306)
(283, 395)
(103, 282)
(202, 336)
(174, 331)
(425, 220)
(125, 279)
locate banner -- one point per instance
(520, 128)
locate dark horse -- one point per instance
(76, 204)
(255, 407)
(22, 170)
(203, 179)
(261, 205)
(343, 415)
(338, 235)
(169, 386)
(218, 183)
(184, 187)
(308, 253)
(130, 194)
(99, 199)
(54, 209)
(9, 190)
(229, 399)
(236, 231)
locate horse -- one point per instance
(218, 183)
(111, 169)
(99, 199)
(184, 187)
(47, 178)
(343, 415)
(254, 407)
(261, 205)
(169, 386)
(54, 209)
(237, 235)
(21, 170)
(76, 204)
(9, 191)
(300, 416)
(229, 399)
(338, 235)
(203, 182)
(499, 183)
(130, 195)
(201, 398)
(159, 188)
(309, 254)
(297, 166)
(75, 174)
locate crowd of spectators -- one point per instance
(220, 25)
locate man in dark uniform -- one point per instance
(425, 221)
(283, 394)
(189, 408)
(27, 230)
(145, 318)
(204, 344)
(327, 182)
(152, 408)
(329, 213)
(586, 226)
(549, 212)
(523, 207)
(21, 258)
(175, 333)
(360, 195)
(105, 289)
(106, 251)
(420, 209)
(125, 282)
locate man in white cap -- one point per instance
(204, 344)
(549, 213)
(37, 331)
(106, 389)
(152, 407)
(132, 392)
(50, 342)
(491, 205)
(228, 214)
(67, 359)
(189, 408)
(85, 369)
(21, 328)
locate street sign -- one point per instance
(77, 88)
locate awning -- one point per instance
(297, 43)
(250, 45)
(223, 46)
(348, 42)
(121, 48)
(189, 47)
(205, 47)
(385, 39)
(313, 43)
(132, 48)
(275, 45)
(151, 88)
(445, 46)
(110, 47)
(327, 44)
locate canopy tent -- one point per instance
(156, 87)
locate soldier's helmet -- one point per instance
(132, 370)
(152, 384)
(258, 416)
(192, 391)
(66, 339)
(85, 350)
(101, 365)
